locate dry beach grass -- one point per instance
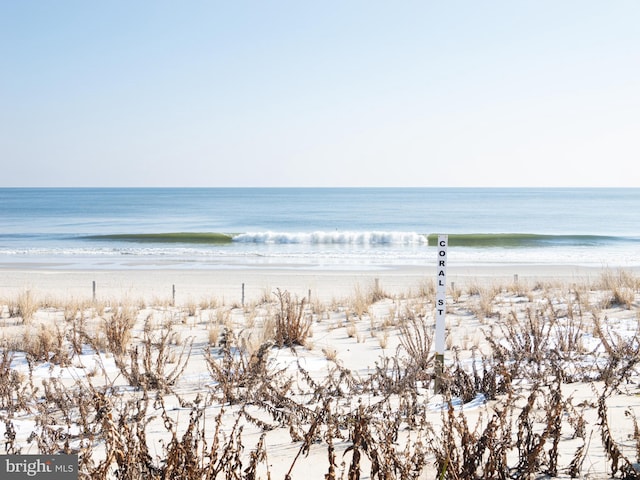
(540, 381)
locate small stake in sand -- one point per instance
(94, 290)
(441, 307)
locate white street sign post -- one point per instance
(441, 308)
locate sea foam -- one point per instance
(334, 238)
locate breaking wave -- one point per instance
(334, 238)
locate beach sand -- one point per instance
(227, 283)
(357, 338)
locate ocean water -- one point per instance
(323, 228)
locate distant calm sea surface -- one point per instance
(316, 228)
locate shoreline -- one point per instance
(228, 283)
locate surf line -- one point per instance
(441, 309)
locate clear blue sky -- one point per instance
(326, 93)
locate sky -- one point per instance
(335, 93)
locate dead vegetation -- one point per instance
(510, 404)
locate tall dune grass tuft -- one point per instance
(25, 306)
(117, 327)
(621, 287)
(292, 324)
(416, 337)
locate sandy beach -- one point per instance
(227, 283)
(356, 390)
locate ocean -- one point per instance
(315, 228)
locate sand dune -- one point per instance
(540, 372)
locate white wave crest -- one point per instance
(334, 238)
